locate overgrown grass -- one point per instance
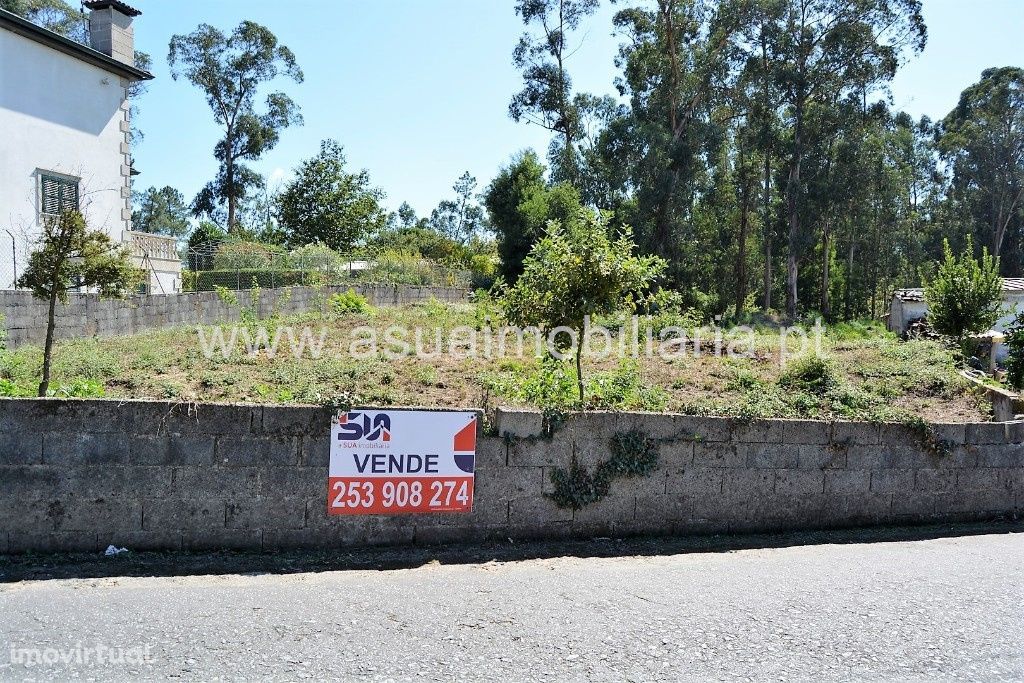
(865, 373)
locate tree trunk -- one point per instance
(767, 219)
(826, 260)
(741, 253)
(847, 313)
(229, 186)
(579, 366)
(44, 386)
(792, 208)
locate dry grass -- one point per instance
(868, 374)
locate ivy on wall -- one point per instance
(633, 454)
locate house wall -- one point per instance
(79, 475)
(1013, 304)
(58, 114)
(902, 313)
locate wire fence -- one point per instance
(11, 263)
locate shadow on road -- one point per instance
(15, 568)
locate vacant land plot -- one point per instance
(865, 373)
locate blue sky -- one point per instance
(417, 90)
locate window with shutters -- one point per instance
(57, 194)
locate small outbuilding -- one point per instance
(909, 305)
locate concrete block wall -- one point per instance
(86, 315)
(77, 475)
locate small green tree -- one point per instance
(965, 295)
(1015, 346)
(69, 254)
(327, 204)
(577, 271)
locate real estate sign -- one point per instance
(401, 461)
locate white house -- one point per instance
(909, 305)
(64, 137)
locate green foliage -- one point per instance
(460, 218)
(409, 268)
(812, 374)
(349, 302)
(245, 255)
(634, 454)
(981, 140)
(58, 16)
(82, 388)
(325, 203)
(161, 211)
(230, 69)
(552, 385)
(67, 254)
(577, 272)
(1015, 346)
(519, 205)
(965, 295)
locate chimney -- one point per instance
(110, 29)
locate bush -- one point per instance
(482, 271)
(965, 296)
(812, 374)
(349, 302)
(1015, 345)
(317, 257)
(240, 255)
(396, 267)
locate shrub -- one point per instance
(397, 267)
(965, 295)
(1015, 345)
(482, 271)
(241, 255)
(316, 257)
(812, 374)
(349, 302)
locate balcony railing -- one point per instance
(143, 244)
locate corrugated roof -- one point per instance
(909, 294)
(1010, 284)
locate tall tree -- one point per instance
(546, 98)
(823, 50)
(461, 218)
(675, 65)
(326, 203)
(162, 211)
(58, 16)
(520, 204)
(230, 69)
(982, 140)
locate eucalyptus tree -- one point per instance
(547, 98)
(982, 140)
(230, 70)
(824, 50)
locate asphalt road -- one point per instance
(942, 609)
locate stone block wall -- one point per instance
(86, 315)
(77, 475)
